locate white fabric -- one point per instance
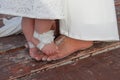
(90, 20)
(43, 9)
(12, 26)
(84, 19)
(44, 38)
(31, 45)
(41, 45)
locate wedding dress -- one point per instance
(90, 20)
(42, 9)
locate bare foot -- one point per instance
(44, 33)
(40, 55)
(49, 49)
(68, 46)
(34, 52)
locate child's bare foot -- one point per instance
(68, 46)
(34, 52)
(48, 49)
(45, 42)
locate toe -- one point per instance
(38, 57)
(48, 59)
(44, 58)
(31, 55)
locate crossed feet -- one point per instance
(66, 46)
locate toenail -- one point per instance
(37, 58)
(49, 59)
(44, 59)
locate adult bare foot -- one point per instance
(68, 46)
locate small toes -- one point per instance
(44, 58)
(48, 59)
(38, 58)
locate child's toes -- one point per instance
(44, 58)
